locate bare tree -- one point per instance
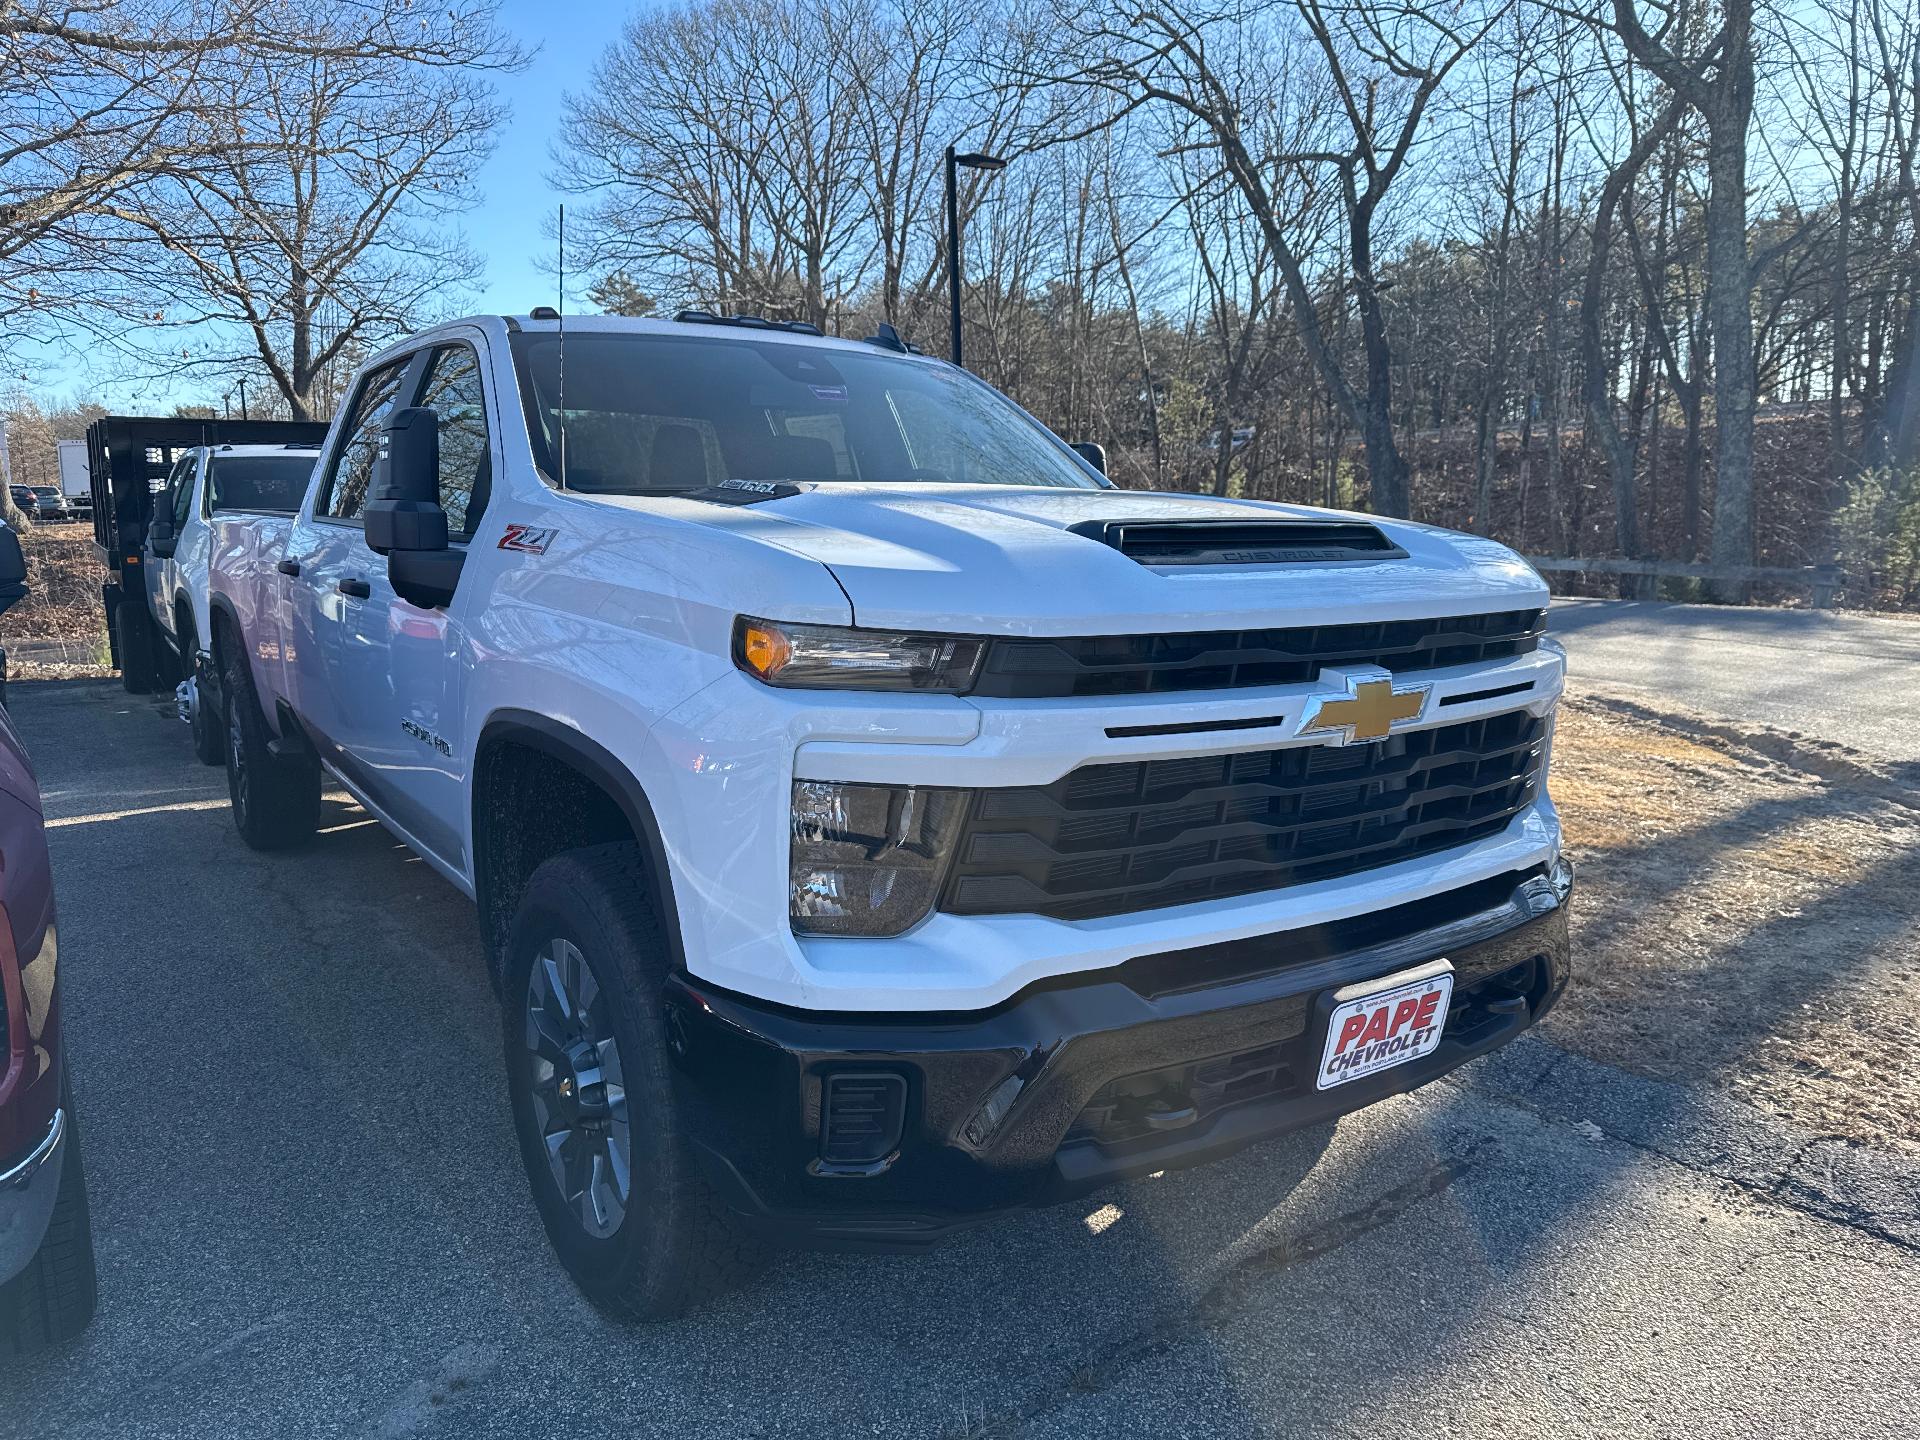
(1379, 70)
(1716, 78)
(321, 228)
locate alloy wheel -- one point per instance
(578, 1089)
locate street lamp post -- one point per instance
(973, 161)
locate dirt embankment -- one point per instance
(60, 629)
(1748, 916)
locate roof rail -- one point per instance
(747, 322)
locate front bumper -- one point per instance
(1166, 1061)
(29, 1186)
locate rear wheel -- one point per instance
(618, 1188)
(133, 634)
(276, 798)
(52, 1300)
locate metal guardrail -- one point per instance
(1822, 581)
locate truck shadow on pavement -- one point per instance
(313, 1219)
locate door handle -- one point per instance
(288, 567)
(359, 589)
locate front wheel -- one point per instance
(630, 1216)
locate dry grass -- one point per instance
(63, 609)
(1742, 923)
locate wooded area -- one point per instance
(1606, 277)
(1602, 279)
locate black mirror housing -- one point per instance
(403, 512)
(404, 519)
(161, 539)
(1094, 455)
(425, 577)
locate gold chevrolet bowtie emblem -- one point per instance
(1372, 709)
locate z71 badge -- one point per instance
(531, 539)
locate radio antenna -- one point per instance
(561, 311)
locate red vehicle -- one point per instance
(46, 1242)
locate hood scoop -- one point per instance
(1242, 542)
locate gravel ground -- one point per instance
(312, 1219)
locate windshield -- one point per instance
(258, 482)
(655, 414)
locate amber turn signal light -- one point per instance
(765, 650)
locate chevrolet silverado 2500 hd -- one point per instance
(207, 485)
(877, 820)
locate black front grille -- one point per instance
(1114, 838)
(1024, 669)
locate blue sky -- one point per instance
(516, 200)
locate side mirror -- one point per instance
(404, 519)
(160, 537)
(1094, 455)
(403, 512)
(13, 569)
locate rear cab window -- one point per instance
(261, 484)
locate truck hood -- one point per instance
(997, 559)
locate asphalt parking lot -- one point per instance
(1829, 674)
(311, 1218)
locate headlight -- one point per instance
(868, 859)
(838, 657)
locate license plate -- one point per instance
(1379, 1024)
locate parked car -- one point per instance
(25, 501)
(208, 483)
(50, 505)
(877, 820)
(46, 1237)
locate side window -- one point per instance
(453, 390)
(183, 493)
(167, 503)
(352, 469)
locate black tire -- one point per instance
(51, 1301)
(276, 798)
(208, 720)
(209, 734)
(133, 633)
(675, 1242)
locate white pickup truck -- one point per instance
(877, 820)
(208, 485)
